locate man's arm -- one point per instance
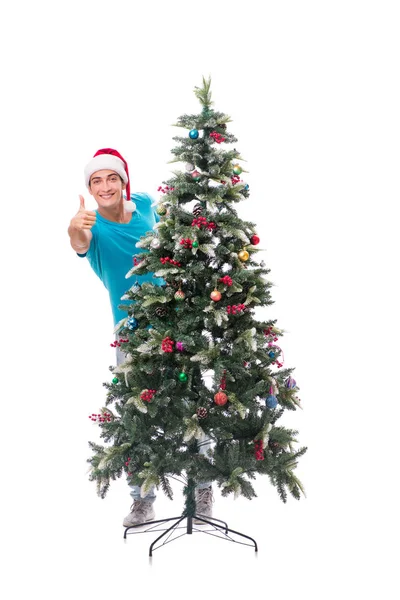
(79, 228)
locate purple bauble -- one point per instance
(290, 383)
(179, 346)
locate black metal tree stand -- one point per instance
(219, 529)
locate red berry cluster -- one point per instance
(119, 342)
(259, 449)
(202, 221)
(171, 261)
(167, 345)
(105, 417)
(165, 189)
(235, 308)
(222, 385)
(187, 243)
(226, 280)
(217, 137)
(235, 179)
(127, 465)
(136, 262)
(147, 395)
(270, 334)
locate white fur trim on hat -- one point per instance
(105, 161)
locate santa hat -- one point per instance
(109, 159)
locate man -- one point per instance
(107, 237)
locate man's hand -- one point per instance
(84, 219)
(80, 226)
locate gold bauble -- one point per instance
(244, 255)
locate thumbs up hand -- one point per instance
(84, 219)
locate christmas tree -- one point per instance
(199, 364)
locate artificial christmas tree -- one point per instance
(199, 364)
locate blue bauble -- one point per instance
(193, 134)
(290, 383)
(271, 402)
(271, 354)
(131, 323)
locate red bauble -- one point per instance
(255, 240)
(216, 296)
(220, 398)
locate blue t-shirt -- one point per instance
(113, 248)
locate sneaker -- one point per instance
(204, 500)
(141, 512)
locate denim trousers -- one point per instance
(204, 442)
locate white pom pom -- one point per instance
(130, 206)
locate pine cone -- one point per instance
(197, 210)
(161, 311)
(201, 413)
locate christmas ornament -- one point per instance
(167, 259)
(115, 379)
(244, 255)
(271, 354)
(167, 345)
(183, 377)
(189, 166)
(161, 210)
(197, 210)
(118, 343)
(155, 243)
(147, 395)
(179, 295)
(290, 383)
(273, 445)
(235, 179)
(199, 222)
(195, 244)
(237, 169)
(226, 280)
(216, 296)
(271, 401)
(186, 243)
(201, 413)
(235, 308)
(193, 134)
(161, 311)
(165, 190)
(222, 385)
(259, 449)
(217, 137)
(220, 398)
(104, 418)
(131, 323)
(255, 240)
(179, 346)
(196, 176)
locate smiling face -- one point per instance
(106, 188)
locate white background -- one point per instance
(313, 91)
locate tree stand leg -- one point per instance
(219, 530)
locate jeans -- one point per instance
(205, 445)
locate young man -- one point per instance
(107, 237)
